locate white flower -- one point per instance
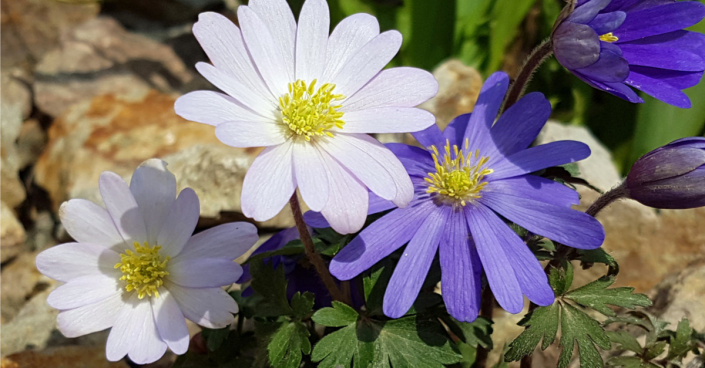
(311, 99)
(136, 268)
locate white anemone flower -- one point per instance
(311, 99)
(136, 268)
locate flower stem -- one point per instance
(607, 198)
(311, 254)
(535, 59)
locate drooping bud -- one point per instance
(672, 176)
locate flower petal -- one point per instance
(170, 321)
(68, 261)
(252, 133)
(122, 207)
(180, 223)
(607, 22)
(401, 87)
(461, 271)
(154, 189)
(538, 158)
(366, 63)
(387, 120)
(346, 209)
(413, 266)
(135, 333)
(90, 318)
(88, 222)
(203, 272)
(588, 11)
(213, 108)
(279, 21)
(346, 40)
(312, 40)
(378, 240)
(536, 188)
(432, 136)
(658, 89)
(227, 241)
(611, 67)
(483, 115)
(83, 290)
(376, 205)
(210, 308)
(498, 268)
(269, 183)
(532, 110)
(416, 161)
(576, 45)
(567, 226)
(310, 173)
(660, 19)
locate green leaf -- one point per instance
(597, 296)
(506, 18)
(302, 304)
(630, 362)
(627, 341)
(541, 323)
(215, 338)
(375, 284)
(287, 345)
(475, 333)
(681, 343)
(578, 327)
(655, 349)
(338, 316)
(560, 278)
(294, 247)
(271, 285)
(599, 255)
(431, 35)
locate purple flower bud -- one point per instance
(672, 176)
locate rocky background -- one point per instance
(89, 87)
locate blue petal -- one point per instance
(611, 67)
(685, 40)
(416, 161)
(663, 56)
(455, 131)
(570, 227)
(460, 270)
(537, 188)
(659, 89)
(588, 11)
(520, 124)
(618, 89)
(376, 204)
(430, 136)
(539, 158)
(608, 22)
(576, 45)
(660, 19)
(498, 269)
(410, 273)
(485, 112)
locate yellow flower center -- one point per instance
(143, 269)
(459, 174)
(309, 112)
(609, 37)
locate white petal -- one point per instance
(212, 108)
(366, 63)
(346, 39)
(170, 321)
(346, 209)
(223, 43)
(279, 20)
(387, 120)
(402, 86)
(135, 333)
(90, 318)
(311, 175)
(88, 222)
(227, 241)
(203, 272)
(276, 68)
(83, 290)
(180, 223)
(211, 308)
(238, 91)
(252, 133)
(311, 40)
(154, 188)
(68, 261)
(269, 183)
(122, 207)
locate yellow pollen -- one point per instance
(309, 112)
(609, 37)
(143, 269)
(459, 174)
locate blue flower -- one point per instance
(616, 44)
(467, 177)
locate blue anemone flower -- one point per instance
(466, 178)
(613, 45)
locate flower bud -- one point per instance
(672, 176)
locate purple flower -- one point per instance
(616, 44)
(672, 176)
(136, 268)
(470, 175)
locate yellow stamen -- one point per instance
(609, 37)
(459, 174)
(143, 269)
(309, 112)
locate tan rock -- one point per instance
(62, 357)
(12, 236)
(680, 295)
(32, 327)
(15, 104)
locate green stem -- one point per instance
(535, 59)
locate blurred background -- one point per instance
(89, 86)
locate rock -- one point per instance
(32, 27)
(680, 295)
(100, 57)
(19, 279)
(30, 142)
(31, 328)
(15, 104)
(12, 236)
(63, 357)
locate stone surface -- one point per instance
(12, 236)
(15, 103)
(99, 57)
(680, 295)
(17, 284)
(62, 357)
(31, 328)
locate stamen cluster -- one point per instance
(609, 37)
(143, 269)
(459, 174)
(309, 112)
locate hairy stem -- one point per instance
(607, 198)
(535, 59)
(311, 254)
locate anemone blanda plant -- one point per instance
(616, 44)
(310, 99)
(466, 178)
(136, 268)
